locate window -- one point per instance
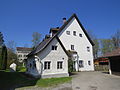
(54, 47)
(59, 64)
(47, 65)
(88, 49)
(74, 33)
(68, 32)
(19, 55)
(34, 64)
(81, 63)
(72, 47)
(25, 56)
(80, 35)
(89, 63)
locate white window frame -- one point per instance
(89, 62)
(59, 64)
(74, 33)
(80, 35)
(54, 47)
(81, 63)
(47, 65)
(72, 47)
(68, 32)
(88, 48)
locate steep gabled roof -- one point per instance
(67, 22)
(44, 43)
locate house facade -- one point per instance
(75, 38)
(49, 60)
(53, 50)
(22, 53)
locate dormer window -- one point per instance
(68, 32)
(72, 47)
(74, 33)
(80, 35)
(54, 47)
(88, 49)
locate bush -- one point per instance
(70, 66)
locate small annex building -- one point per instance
(114, 61)
(49, 59)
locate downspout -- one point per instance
(78, 62)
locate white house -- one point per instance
(75, 38)
(50, 57)
(22, 53)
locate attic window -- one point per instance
(80, 35)
(88, 49)
(68, 32)
(74, 33)
(54, 47)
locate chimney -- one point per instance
(64, 20)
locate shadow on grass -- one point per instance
(12, 80)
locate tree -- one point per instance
(11, 45)
(96, 47)
(1, 39)
(36, 39)
(12, 57)
(3, 53)
(106, 46)
(116, 39)
(4, 58)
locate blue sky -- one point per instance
(20, 18)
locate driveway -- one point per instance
(95, 81)
(86, 81)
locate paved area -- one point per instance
(86, 81)
(95, 81)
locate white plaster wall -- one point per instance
(32, 71)
(22, 53)
(51, 55)
(80, 43)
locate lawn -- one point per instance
(18, 79)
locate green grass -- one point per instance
(17, 79)
(52, 81)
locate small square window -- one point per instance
(68, 32)
(88, 49)
(89, 63)
(72, 47)
(80, 35)
(74, 33)
(54, 47)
